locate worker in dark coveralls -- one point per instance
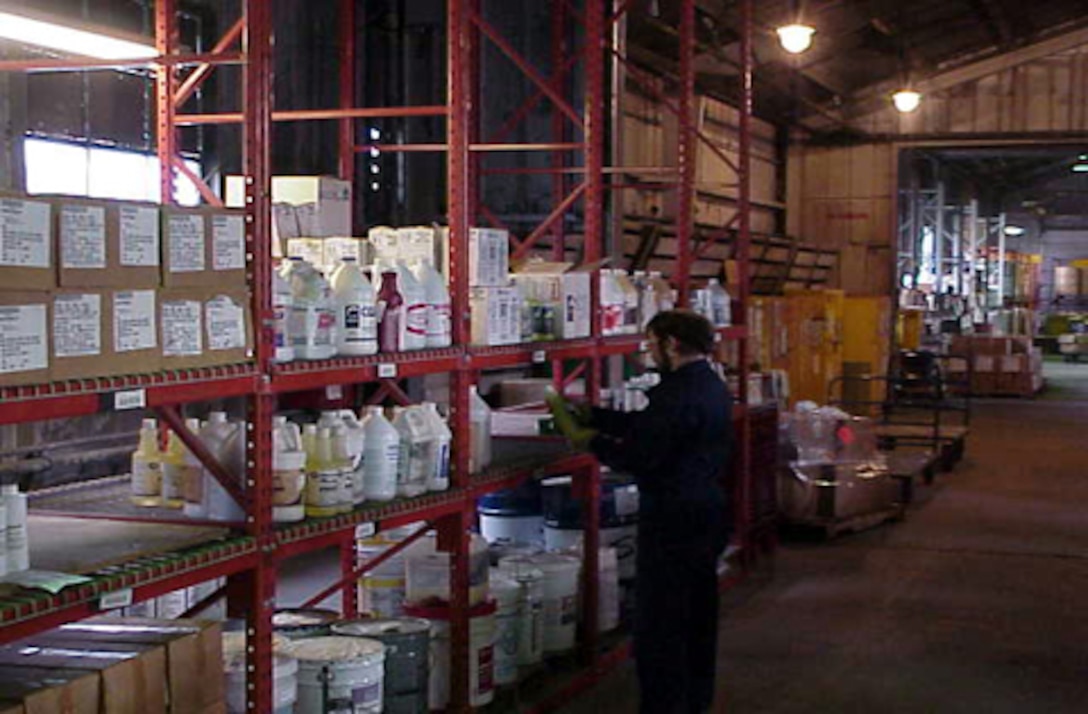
(677, 449)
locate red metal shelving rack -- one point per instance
(250, 560)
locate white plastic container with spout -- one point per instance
(381, 456)
(147, 467)
(416, 461)
(439, 333)
(721, 309)
(439, 477)
(190, 475)
(341, 456)
(288, 471)
(226, 442)
(356, 310)
(312, 324)
(281, 317)
(480, 422)
(415, 308)
(324, 478)
(17, 542)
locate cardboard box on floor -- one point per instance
(106, 244)
(132, 675)
(24, 338)
(194, 654)
(27, 256)
(33, 690)
(203, 247)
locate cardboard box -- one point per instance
(335, 249)
(203, 247)
(228, 332)
(24, 338)
(565, 287)
(383, 243)
(194, 654)
(496, 315)
(984, 383)
(107, 244)
(985, 363)
(81, 334)
(34, 690)
(312, 250)
(132, 676)
(1015, 363)
(322, 203)
(27, 259)
(181, 328)
(134, 332)
(488, 257)
(422, 243)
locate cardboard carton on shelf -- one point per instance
(81, 333)
(27, 256)
(228, 332)
(564, 286)
(36, 690)
(134, 332)
(488, 257)
(107, 244)
(203, 247)
(24, 338)
(322, 203)
(496, 315)
(204, 328)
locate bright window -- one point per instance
(75, 170)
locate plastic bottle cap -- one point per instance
(217, 417)
(9, 488)
(347, 259)
(309, 429)
(279, 420)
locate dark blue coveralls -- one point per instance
(677, 449)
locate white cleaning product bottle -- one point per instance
(323, 476)
(415, 309)
(720, 309)
(415, 442)
(381, 457)
(225, 441)
(341, 456)
(439, 333)
(288, 471)
(281, 318)
(3, 534)
(480, 422)
(439, 478)
(15, 534)
(356, 445)
(147, 467)
(191, 476)
(173, 472)
(313, 322)
(356, 310)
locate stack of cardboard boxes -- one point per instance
(94, 288)
(116, 666)
(999, 366)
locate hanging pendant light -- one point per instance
(796, 37)
(906, 100)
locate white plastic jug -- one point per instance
(312, 325)
(324, 478)
(415, 308)
(437, 294)
(341, 455)
(226, 442)
(721, 308)
(356, 310)
(356, 445)
(288, 471)
(147, 466)
(416, 461)
(439, 478)
(281, 317)
(480, 422)
(381, 456)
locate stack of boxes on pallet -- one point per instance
(999, 366)
(116, 666)
(93, 288)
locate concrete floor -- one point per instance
(975, 603)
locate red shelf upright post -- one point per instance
(744, 243)
(166, 42)
(347, 90)
(685, 189)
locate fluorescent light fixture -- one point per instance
(1080, 168)
(906, 100)
(1082, 157)
(70, 40)
(1015, 230)
(795, 38)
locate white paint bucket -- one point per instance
(284, 675)
(508, 601)
(622, 538)
(531, 616)
(512, 529)
(339, 674)
(407, 643)
(481, 653)
(560, 594)
(608, 590)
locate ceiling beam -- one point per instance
(997, 23)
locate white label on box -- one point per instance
(139, 236)
(23, 346)
(226, 324)
(83, 237)
(186, 237)
(383, 241)
(336, 249)
(134, 321)
(228, 243)
(182, 328)
(416, 244)
(309, 249)
(25, 237)
(488, 257)
(77, 325)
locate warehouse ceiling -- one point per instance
(861, 48)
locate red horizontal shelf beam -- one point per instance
(302, 376)
(733, 332)
(318, 114)
(529, 353)
(621, 345)
(66, 64)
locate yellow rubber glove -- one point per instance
(579, 435)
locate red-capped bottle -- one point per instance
(390, 314)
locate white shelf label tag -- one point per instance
(334, 391)
(365, 530)
(387, 371)
(116, 599)
(539, 357)
(717, 337)
(130, 399)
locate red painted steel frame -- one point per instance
(743, 249)
(685, 190)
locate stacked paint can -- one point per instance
(284, 675)
(513, 516)
(339, 674)
(299, 622)
(381, 589)
(481, 662)
(558, 593)
(407, 659)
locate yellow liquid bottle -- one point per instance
(323, 478)
(147, 467)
